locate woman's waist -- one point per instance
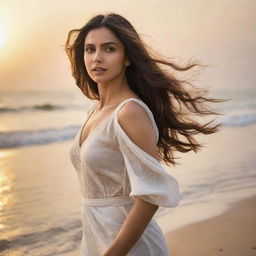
(107, 201)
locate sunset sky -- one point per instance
(219, 33)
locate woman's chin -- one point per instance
(100, 80)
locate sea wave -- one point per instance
(10, 139)
(45, 106)
(238, 120)
(35, 242)
(36, 107)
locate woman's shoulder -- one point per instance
(131, 109)
(134, 109)
(136, 119)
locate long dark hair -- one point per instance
(168, 97)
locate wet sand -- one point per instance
(232, 233)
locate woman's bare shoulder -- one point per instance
(135, 121)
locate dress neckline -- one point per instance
(80, 145)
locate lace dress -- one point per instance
(112, 170)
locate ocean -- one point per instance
(39, 203)
(40, 117)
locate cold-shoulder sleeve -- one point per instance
(148, 178)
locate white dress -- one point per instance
(112, 170)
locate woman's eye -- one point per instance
(110, 49)
(88, 49)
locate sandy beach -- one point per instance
(233, 233)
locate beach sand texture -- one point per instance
(233, 233)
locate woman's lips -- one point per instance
(99, 72)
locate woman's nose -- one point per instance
(97, 56)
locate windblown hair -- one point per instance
(171, 103)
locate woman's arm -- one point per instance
(133, 227)
(137, 125)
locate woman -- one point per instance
(140, 117)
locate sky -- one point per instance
(219, 33)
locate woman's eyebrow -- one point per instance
(107, 43)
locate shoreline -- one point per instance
(230, 233)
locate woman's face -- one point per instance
(104, 50)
